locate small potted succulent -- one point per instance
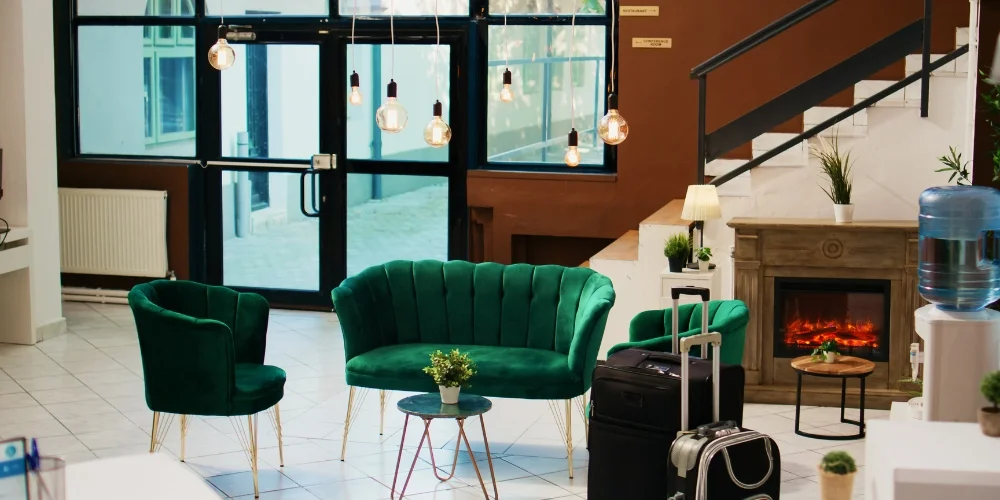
(827, 352)
(989, 417)
(451, 372)
(836, 476)
(704, 255)
(676, 249)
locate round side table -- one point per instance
(428, 407)
(844, 368)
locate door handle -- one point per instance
(302, 195)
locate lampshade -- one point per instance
(701, 203)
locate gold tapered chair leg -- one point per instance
(247, 438)
(347, 424)
(569, 435)
(184, 431)
(281, 445)
(252, 422)
(161, 424)
(382, 396)
(152, 434)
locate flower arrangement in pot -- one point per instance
(836, 167)
(450, 372)
(836, 476)
(676, 249)
(704, 256)
(827, 352)
(989, 417)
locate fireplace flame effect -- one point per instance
(805, 333)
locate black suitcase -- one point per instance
(635, 414)
(721, 460)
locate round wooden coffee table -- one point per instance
(844, 368)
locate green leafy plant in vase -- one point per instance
(704, 256)
(835, 166)
(953, 163)
(827, 352)
(836, 476)
(676, 249)
(989, 417)
(451, 372)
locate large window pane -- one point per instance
(268, 7)
(270, 102)
(415, 79)
(267, 242)
(533, 128)
(561, 7)
(135, 7)
(137, 92)
(405, 7)
(393, 217)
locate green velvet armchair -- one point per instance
(533, 331)
(202, 351)
(652, 329)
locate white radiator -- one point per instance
(118, 232)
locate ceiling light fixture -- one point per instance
(506, 94)
(613, 128)
(391, 116)
(355, 97)
(222, 56)
(572, 157)
(437, 134)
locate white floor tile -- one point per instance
(53, 396)
(17, 400)
(241, 483)
(355, 489)
(50, 383)
(322, 472)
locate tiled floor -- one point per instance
(82, 395)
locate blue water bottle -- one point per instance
(958, 268)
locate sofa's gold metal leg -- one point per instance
(152, 433)
(274, 413)
(184, 431)
(252, 422)
(564, 421)
(161, 424)
(248, 442)
(353, 409)
(382, 397)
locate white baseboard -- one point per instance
(50, 330)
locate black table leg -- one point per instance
(862, 406)
(843, 412)
(798, 403)
(843, 399)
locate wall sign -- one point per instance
(652, 43)
(638, 11)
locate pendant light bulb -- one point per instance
(573, 152)
(438, 133)
(612, 128)
(506, 95)
(221, 56)
(355, 98)
(391, 116)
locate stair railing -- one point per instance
(874, 54)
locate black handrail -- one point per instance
(764, 34)
(839, 117)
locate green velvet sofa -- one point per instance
(533, 331)
(652, 330)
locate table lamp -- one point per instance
(701, 204)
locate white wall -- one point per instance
(28, 137)
(893, 165)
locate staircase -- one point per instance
(894, 148)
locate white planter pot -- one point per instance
(835, 486)
(843, 213)
(916, 408)
(830, 357)
(703, 265)
(449, 395)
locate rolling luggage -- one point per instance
(636, 413)
(721, 460)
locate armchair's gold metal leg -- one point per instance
(184, 430)
(347, 424)
(564, 421)
(274, 414)
(383, 398)
(152, 433)
(252, 423)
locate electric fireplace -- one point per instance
(810, 311)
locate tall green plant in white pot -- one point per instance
(835, 167)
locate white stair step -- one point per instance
(961, 37)
(915, 61)
(719, 167)
(796, 156)
(867, 88)
(852, 126)
(738, 186)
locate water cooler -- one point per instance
(959, 274)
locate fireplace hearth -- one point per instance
(810, 311)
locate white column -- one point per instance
(973, 81)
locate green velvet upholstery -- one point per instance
(652, 329)
(202, 349)
(534, 331)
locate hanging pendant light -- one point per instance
(613, 128)
(506, 94)
(391, 116)
(221, 56)
(438, 133)
(355, 97)
(572, 157)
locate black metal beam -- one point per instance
(878, 96)
(925, 85)
(815, 90)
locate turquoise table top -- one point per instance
(430, 406)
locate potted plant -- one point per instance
(989, 417)
(451, 372)
(827, 352)
(953, 163)
(676, 250)
(836, 476)
(836, 167)
(704, 255)
(916, 403)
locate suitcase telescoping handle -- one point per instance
(702, 339)
(675, 295)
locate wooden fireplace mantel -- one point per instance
(818, 248)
